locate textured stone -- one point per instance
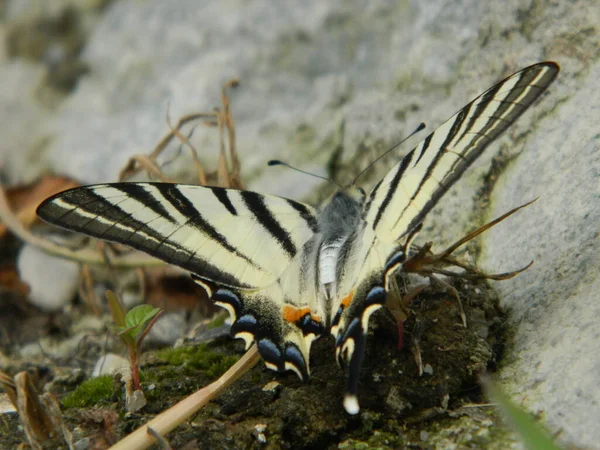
(52, 281)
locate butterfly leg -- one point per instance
(454, 292)
(416, 347)
(398, 306)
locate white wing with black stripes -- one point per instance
(402, 199)
(234, 238)
(286, 273)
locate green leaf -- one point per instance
(137, 318)
(533, 435)
(116, 309)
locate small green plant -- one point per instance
(132, 327)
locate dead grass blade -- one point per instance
(40, 416)
(132, 167)
(184, 139)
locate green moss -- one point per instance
(198, 357)
(90, 392)
(378, 441)
(218, 368)
(217, 321)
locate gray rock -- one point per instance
(111, 364)
(20, 121)
(167, 329)
(554, 305)
(52, 281)
(360, 75)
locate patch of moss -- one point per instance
(218, 368)
(198, 357)
(217, 322)
(90, 392)
(378, 441)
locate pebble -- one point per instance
(82, 444)
(168, 328)
(5, 405)
(110, 364)
(53, 281)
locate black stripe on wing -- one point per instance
(447, 152)
(393, 186)
(138, 192)
(496, 124)
(223, 197)
(486, 100)
(172, 194)
(115, 224)
(256, 205)
(456, 125)
(308, 217)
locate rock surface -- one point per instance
(52, 281)
(359, 75)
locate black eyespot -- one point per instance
(362, 191)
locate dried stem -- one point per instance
(170, 419)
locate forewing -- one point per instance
(409, 191)
(239, 239)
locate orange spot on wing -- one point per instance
(347, 299)
(293, 314)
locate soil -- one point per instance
(267, 410)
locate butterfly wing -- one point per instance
(400, 201)
(281, 318)
(408, 192)
(238, 239)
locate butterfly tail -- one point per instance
(351, 341)
(283, 344)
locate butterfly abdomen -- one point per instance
(338, 220)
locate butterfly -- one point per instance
(289, 273)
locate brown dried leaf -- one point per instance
(101, 423)
(10, 281)
(24, 200)
(40, 415)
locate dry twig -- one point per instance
(182, 411)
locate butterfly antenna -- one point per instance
(419, 128)
(276, 162)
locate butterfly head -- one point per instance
(349, 196)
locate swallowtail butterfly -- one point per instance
(286, 272)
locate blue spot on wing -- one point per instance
(270, 352)
(247, 320)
